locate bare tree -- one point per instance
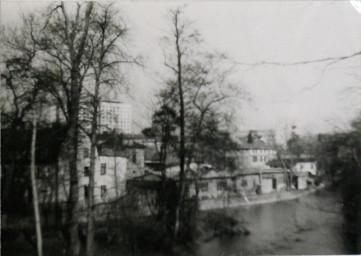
(209, 95)
(17, 87)
(181, 40)
(22, 87)
(199, 87)
(63, 43)
(73, 47)
(106, 55)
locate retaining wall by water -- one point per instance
(228, 202)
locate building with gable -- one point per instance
(253, 152)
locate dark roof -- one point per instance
(151, 154)
(113, 101)
(249, 171)
(111, 152)
(212, 174)
(149, 177)
(119, 141)
(107, 149)
(256, 144)
(135, 145)
(288, 163)
(121, 136)
(133, 136)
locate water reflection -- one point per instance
(313, 224)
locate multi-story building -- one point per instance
(112, 115)
(115, 116)
(109, 174)
(253, 152)
(117, 158)
(256, 153)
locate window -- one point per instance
(254, 159)
(86, 191)
(244, 183)
(203, 186)
(103, 191)
(103, 168)
(86, 171)
(222, 185)
(86, 153)
(274, 183)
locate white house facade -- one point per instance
(305, 167)
(109, 177)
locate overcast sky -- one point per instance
(250, 32)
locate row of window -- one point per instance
(221, 185)
(103, 191)
(312, 166)
(260, 159)
(103, 170)
(260, 151)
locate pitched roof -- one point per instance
(211, 174)
(248, 171)
(112, 153)
(256, 144)
(121, 136)
(118, 141)
(151, 154)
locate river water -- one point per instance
(312, 224)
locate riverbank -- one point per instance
(238, 201)
(312, 224)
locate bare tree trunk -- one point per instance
(116, 176)
(76, 53)
(73, 204)
(182, 137)
(34, 189)
(58, 218)
(115, 167)
(196, 187)
(91, 206)
(90, 227)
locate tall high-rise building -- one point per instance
(115, 115)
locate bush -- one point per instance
(134, 235)
(217, 223)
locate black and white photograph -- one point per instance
(185, 128)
